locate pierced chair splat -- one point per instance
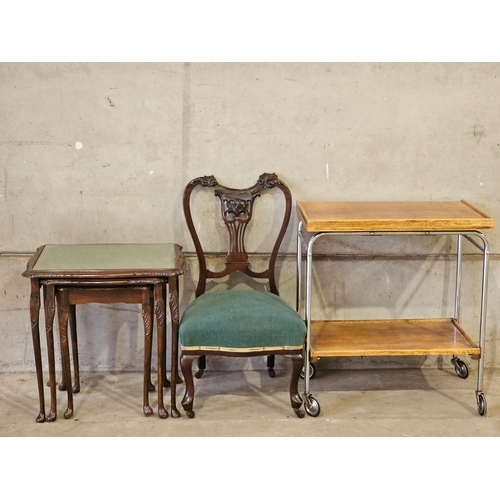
(239, 322)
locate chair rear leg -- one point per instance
(187, 371)
(295, 399)
(270, 366)
(202, 363)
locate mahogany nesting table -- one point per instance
(107, 273)
(397, 337)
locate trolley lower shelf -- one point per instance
(400, 337)
(394, 337)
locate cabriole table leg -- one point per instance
(63, 314)
(35, 333)
(173, 301)
(49, 301)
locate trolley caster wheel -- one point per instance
(312, 371)
(460, 368)
(271, 372)
(481, 404)
(311, 406)
(199, 373)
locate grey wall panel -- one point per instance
(98, 153)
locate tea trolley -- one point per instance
(394, 337)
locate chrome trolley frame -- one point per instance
(306, 240)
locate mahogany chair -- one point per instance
(239, 322)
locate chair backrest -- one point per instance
(236, 209)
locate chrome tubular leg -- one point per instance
(308, 309)
(482, 324)
(458, 284)
(299, 267)
(308, 314)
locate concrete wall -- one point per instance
(98, 153)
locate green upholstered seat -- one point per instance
(240, 320)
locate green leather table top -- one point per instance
(142, 258)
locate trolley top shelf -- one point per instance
(392, 216)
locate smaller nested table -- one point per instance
(107, 273)
(396, 337)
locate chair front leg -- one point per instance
(186, 367)
(295, 399)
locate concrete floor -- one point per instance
(363, 403)
(369, 404)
